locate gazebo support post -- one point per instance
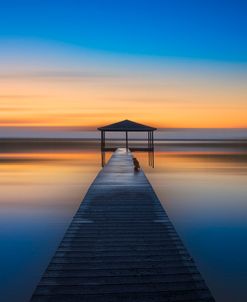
(149, 145)
(126, 141)
(102, 158)
(104, 139)
(152, 149)
(102, 148)
(101, 139)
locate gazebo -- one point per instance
(128, 126)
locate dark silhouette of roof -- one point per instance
(126, 125)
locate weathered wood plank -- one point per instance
(121, 246)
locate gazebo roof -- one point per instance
(126, 125)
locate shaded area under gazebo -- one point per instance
(127, 126)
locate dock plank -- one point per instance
(121, 246)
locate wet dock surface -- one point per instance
(121, 246)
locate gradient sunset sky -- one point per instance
(82, 64)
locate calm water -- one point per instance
(202, 187)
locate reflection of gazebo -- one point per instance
(128, 126)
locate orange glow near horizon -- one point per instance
(164, 97)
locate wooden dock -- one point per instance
(121, 246)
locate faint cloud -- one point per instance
(20, 96)
(68, 74)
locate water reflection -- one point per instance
(205, 195)
(202, 186)
(40, 192)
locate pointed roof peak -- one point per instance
(127, 125)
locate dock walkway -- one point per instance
(121, 246)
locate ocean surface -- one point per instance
(202, 186)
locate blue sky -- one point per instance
(210, 30)
(82, 64)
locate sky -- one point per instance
(82, 64)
